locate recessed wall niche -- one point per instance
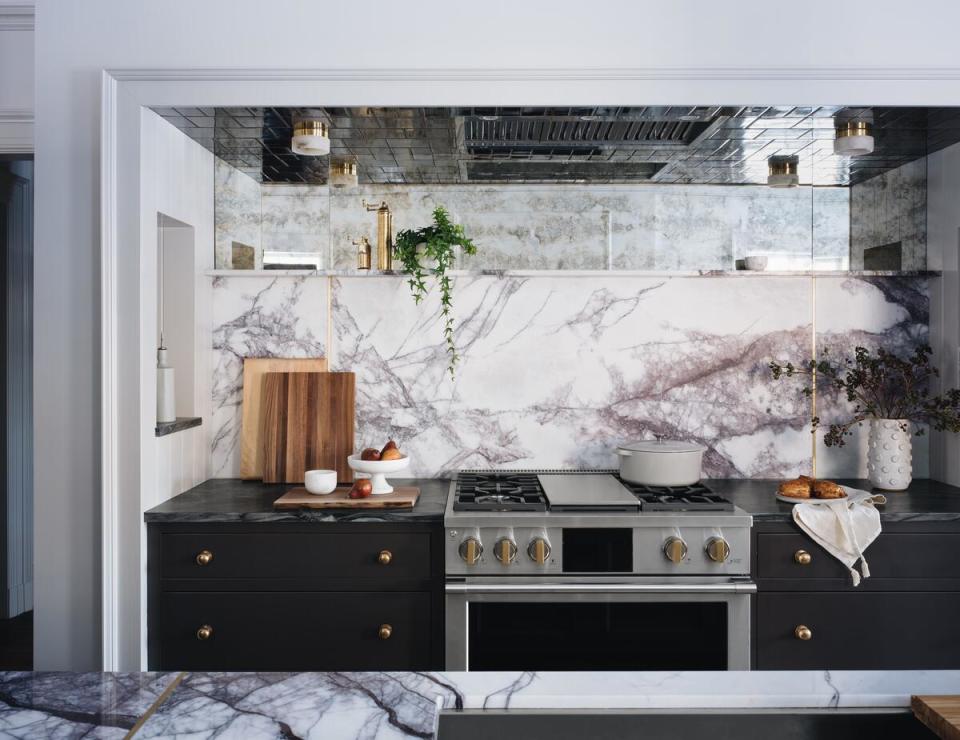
(176, 306)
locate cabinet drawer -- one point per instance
(267, 631)
(295, 555)
(854, 631)
(892, 555)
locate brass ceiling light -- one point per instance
(854, 139)
(782, 172)
(311, 138)
(343, 174)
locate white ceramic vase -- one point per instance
(890, 454)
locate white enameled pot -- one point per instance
(661, 462)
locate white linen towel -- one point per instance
(844, 527)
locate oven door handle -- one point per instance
(594, 588)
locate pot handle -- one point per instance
(624, 453)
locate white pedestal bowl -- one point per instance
(377, 471)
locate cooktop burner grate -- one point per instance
(697, 497)
(499, 492)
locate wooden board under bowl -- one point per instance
(403, 497)
(307, 425)
(251, 428)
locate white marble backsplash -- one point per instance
(257, 317)
(557, 371)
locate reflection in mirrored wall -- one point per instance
(592, 188)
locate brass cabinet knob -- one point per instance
(538, 550)
(384, 557)
(470, 550)
(802, 557)
(204, 557)
(385, 631)
(205, 632)
(718, 550)
(802, 632)
(674, 549)
(506, 550)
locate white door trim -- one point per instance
(125, 90)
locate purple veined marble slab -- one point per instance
(75, 705)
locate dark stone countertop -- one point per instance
(923, 501)
(234, 500)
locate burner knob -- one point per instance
(538, 550)
(717, 549)
(506, 551)
(471, 550)
(674, 549)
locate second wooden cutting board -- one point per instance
(308, 423)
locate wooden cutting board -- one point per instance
(307, 425)
(403, 497)
(940, 713)
(251, 430)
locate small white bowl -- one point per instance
(755, 263)
(320, 482)
(377, 470)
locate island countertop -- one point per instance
(383, 705)
(233, 500)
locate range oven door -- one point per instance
(590, 626)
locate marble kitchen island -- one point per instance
(407, 704)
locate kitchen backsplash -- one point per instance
(640, 227)
(556, 370)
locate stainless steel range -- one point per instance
(579, 570)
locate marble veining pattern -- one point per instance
(381, 705)
(644, 227)
(892, 312)
(258, 317)
(890, 208)
(76, 705)
(555, 373)
(236, 213)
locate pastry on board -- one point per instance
(806, 487)
(827, 489)
(796, 488)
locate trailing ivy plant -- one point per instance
(439, 241)
(879, 385)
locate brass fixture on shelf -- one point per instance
(364, 252)
(384, 557)
(802, 557)
(385, 631)
(802, 632)
(205, 632)
(384, 234)
(204, 557)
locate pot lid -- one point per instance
(662, 445)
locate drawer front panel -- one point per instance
(278, 555)
(890, 556)
(858, 631)
(295, 632)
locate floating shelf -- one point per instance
(183, 422)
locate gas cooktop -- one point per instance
(576, 491)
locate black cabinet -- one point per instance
(808, 615)
(295, 597)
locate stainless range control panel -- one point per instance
(647, 550)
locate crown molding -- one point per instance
(16, 115)
(600, 74)
(17, 17)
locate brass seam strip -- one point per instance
(813, 377)
(328, 350)
(156, 705)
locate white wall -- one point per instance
(176, 180)
(75, 41)
(943, 250)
